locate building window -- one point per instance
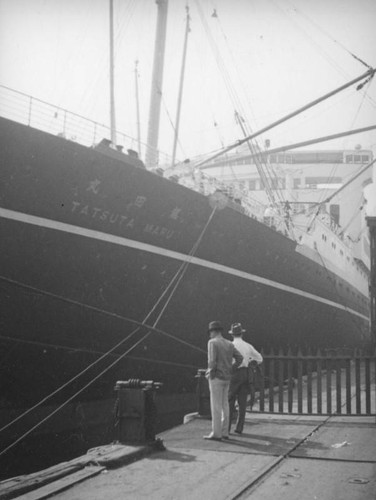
(313, 181)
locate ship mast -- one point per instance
(137, 109)
(112, 77)
(151, 158)
(177, 122)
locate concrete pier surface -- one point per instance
(277, 457)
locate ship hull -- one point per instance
(91, 248)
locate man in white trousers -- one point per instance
(220, 355)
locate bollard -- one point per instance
(136, 411)
(203, 394)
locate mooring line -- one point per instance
(181, 271)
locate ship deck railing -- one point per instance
(55, 120)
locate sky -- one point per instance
(263, 58)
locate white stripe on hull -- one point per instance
(145, 247)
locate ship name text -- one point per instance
(122, 220)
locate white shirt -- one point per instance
(248, 352)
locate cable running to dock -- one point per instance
(176, 278)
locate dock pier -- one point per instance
(284, 456)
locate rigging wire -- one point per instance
(358, 237)
(360, 104)
(240, 106)
(353, 217)
(220, 63)
(104, 355)
(14, 443)
(300, 29)
(215, 124)
(340, 44)
(264, 169)
(18, 341)
(178, 277)
(331, 196)
(101, 73)
(332, 173)
(171, 122)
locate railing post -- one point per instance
(281, 366)
(262, 384)
(65, 122)
(300, 381)
(374, 382)
(202, 394)
(30, 105)
(319, 381)
(271, 381)
(309, 382)
(290, 386)
(338, 385)
(328, 384)
(368, 385)
(348, 386)
(357, 383)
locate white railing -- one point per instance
(55, 120)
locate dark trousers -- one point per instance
(239, 390)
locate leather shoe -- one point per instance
(226, 437)
(238, 432)
(212, 438)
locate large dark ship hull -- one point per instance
(89, 245)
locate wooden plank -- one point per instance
(62, 484)
(107, 455)
(22, 484)
(128, 454)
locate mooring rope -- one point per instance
(178, 276)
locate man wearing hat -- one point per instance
(220, 355)
(240, 380)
